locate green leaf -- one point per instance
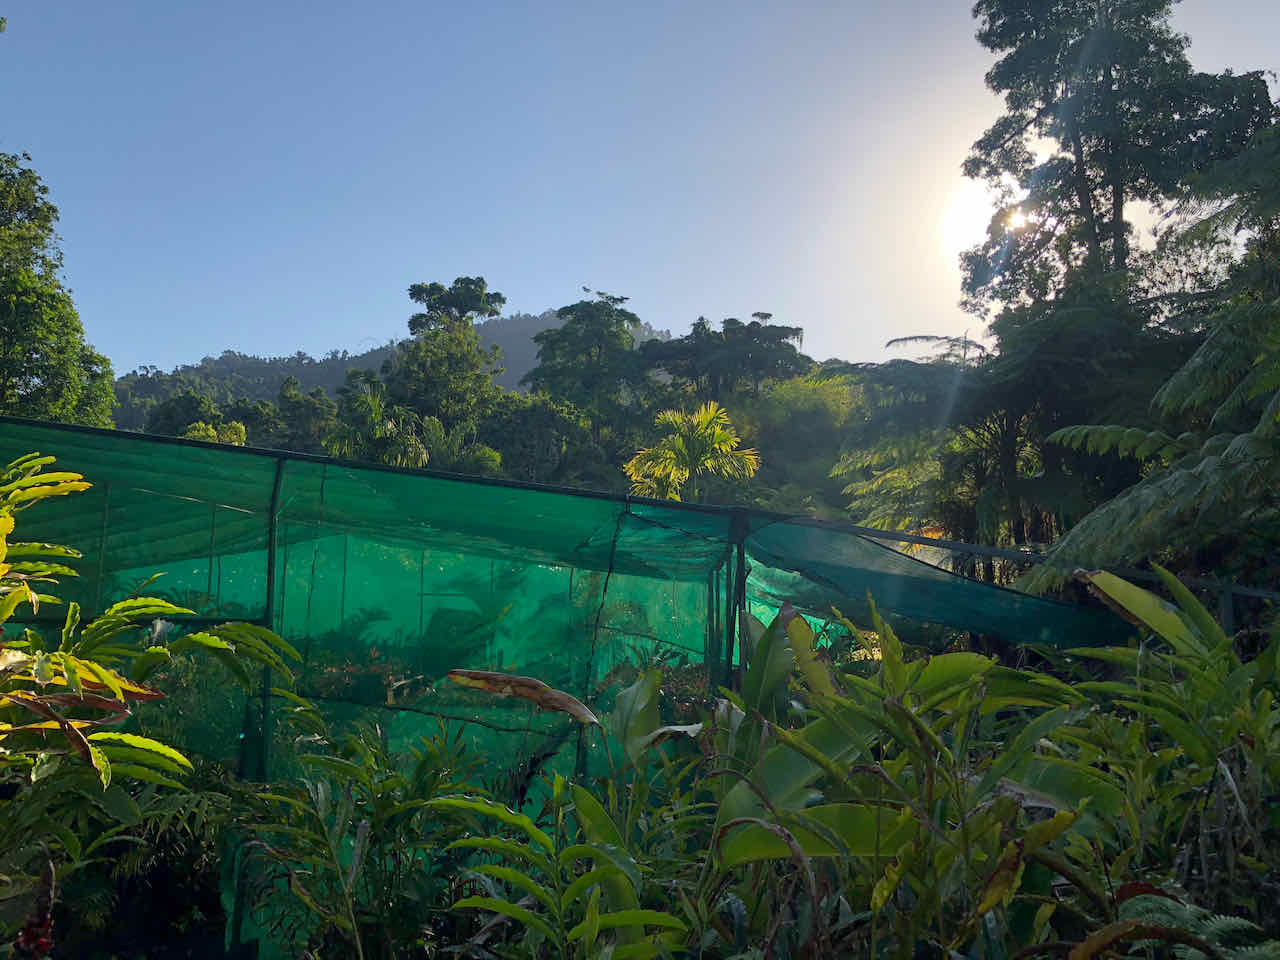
(948, 669)
(635, 714)
(596, 822)
(527, 917)
(135, 772)
(769, 670)
(1022, 747)
(507, 848)
(520, 881)
(69, 626)
(855, 825)
(627, 918)
(1179, 731)
(784, 774)
(591, 878)
(800, 637)
(1160, 617)
(495, 811)
(1194, 610)
(206, 641)
(891, 662)
(101, 764)
(141, 743)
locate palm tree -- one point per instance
(373, 430)
(697, 444)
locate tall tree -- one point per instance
(445, 371)
(694, 446)
(461, 304)
(545, 440)
(47, 370)
(172, 417)
(712, 363)
(308, 417)
(1102, 111)
(1208, 493)
(590, 360)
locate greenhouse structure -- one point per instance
(386, 579)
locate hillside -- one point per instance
(233, 375)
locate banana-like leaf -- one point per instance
(769, 670)
(801, 638)
(635, 715)
(1144, 607)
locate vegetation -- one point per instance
(47, 370)
(846, 794)
(77, 785)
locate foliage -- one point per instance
(940, 806)
(444, 371)
(1213, 483)
(354, 842)
(713, 363)
(71, 782)
(696, 445)
(47, 370)
(590, 359)
(370, 429)
(232, 433)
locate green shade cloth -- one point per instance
(433, 571)
(386, 579)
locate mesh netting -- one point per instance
(386, 579)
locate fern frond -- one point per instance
(1125, 441)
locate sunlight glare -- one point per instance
(964, 223)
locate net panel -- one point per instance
(385, 580)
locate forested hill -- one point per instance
(233, 375)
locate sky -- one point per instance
(271, 176)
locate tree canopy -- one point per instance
(47, 369)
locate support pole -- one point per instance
(102, 547)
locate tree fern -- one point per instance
(1219, 480)
(1233, 938)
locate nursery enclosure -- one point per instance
(386, 579)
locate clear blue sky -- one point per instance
(271, 176)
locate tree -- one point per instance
(445, 371)
(1106, 87)
(590, 359)
(308, 418)
(230, 432)
(1103, 114)
(1212, 475)
(369, 428)
(696, 445)
(543, 439)
(47, 370)
(174, 416)
(713, 363)
(262, 422)
(461, 304)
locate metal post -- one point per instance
(102, 547)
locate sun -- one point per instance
(1018, 220)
